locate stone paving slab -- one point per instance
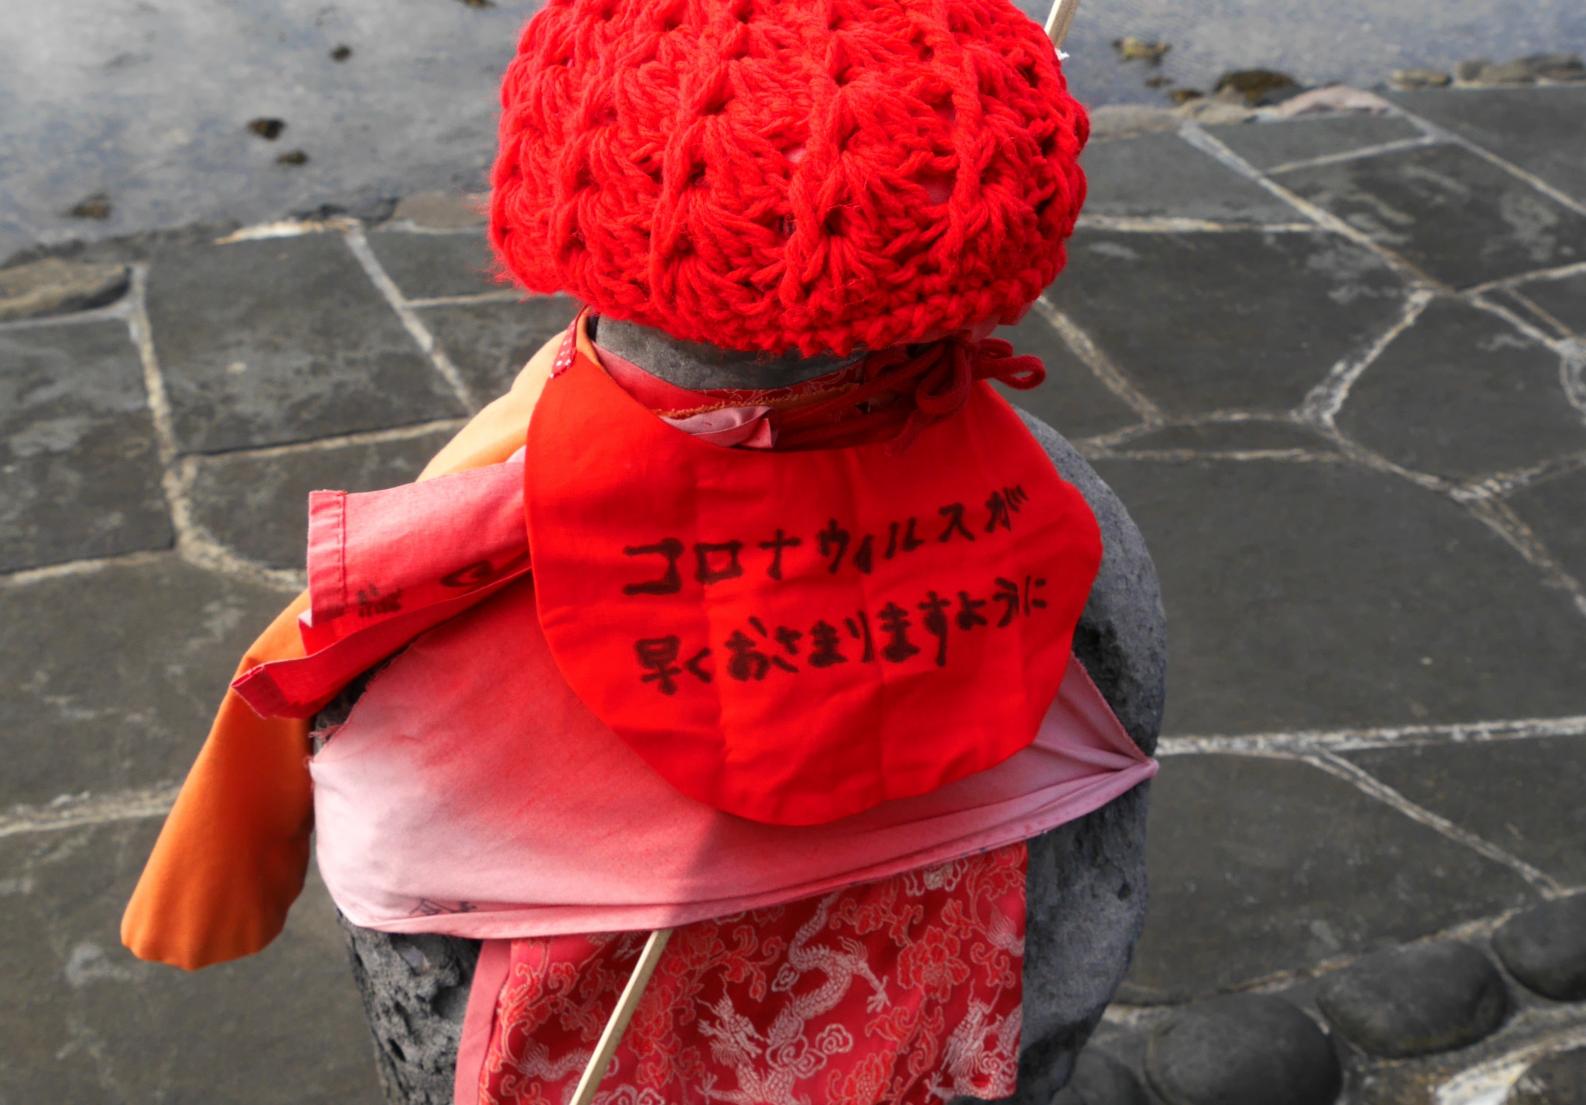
(431, 265)
(1243, 436)
(1270, 145)
(1260, 865)
(1563, 298)
(1071, 400)
(1524, 796)
(257, 506)
(1460, 218)
(1525, 126)
(1463, 394)
(113, 674)
(1320, 595)
(490, 342)
(283, 340)
(1160, 174)
(79, 471)
(87, 1023)
(1283, 310)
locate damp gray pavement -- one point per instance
(141, 107)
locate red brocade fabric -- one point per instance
(905, 991)
(777, 174)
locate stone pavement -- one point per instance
(1336, 367)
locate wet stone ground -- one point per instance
(1334, 366)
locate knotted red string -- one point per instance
(905, 389)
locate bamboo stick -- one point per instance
(1059, 19)
(617, 1026)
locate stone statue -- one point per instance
(1086, 881)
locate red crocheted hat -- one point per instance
(778, 174)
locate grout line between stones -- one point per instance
(1322, 404)
(358, 243)
(1168, 224)
(334, 441)
(506, 296)
(1354, 155)
(1369, 784)
(1558, 272)
(1502, 484)
(1306, 741)
(75, 811)
(1300, 456)
(1206, 143)
(1500, 517)
(22, 576)
(286, 228)
(1100, 365)
(193, 543)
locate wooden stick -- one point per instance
(1059, 20)
(617, 1026)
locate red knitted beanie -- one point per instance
(780, 174)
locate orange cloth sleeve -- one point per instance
(231, 858)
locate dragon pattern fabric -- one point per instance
(907, 990)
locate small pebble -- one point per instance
(96, 206)
(1416, 1000)
(266, 128)
(1470, 70)
(1244, 1049)
(1099, 1079)
(1131, 48)
(292, 157)
(341, 53)
(1255, 85)
(1420, 78)
(1545, 948)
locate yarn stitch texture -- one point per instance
(819, 175)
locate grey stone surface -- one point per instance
(1563, 298)
(1552, 509)
(1463, 394)
(89, 1023)
(1268, 145)
(1523, 797)
(283, 340)
(490, 342)
(1556, 1079)
(53, 286)
(113, 674)
(1071, 400)
(1545, 948)
(1161, 174)
(1520, 125)
(258, 506)
(1307, 595)
(1248, 1049)
(79, 473)
(1460, 218)
(1099, 1079)
(1416, 1000)
(428, 266)
(1283, 309)
(1260, 865)
(1246, 435)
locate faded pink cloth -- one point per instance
(471, 792)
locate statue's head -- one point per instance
(810, 175)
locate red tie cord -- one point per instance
(905, 389)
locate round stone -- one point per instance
(1099, 1079)
(1416, 1000)
(1557, 1079)
(1545, 948)
(1245, 1049)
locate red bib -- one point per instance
(797, 636)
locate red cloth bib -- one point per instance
(796, 636)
